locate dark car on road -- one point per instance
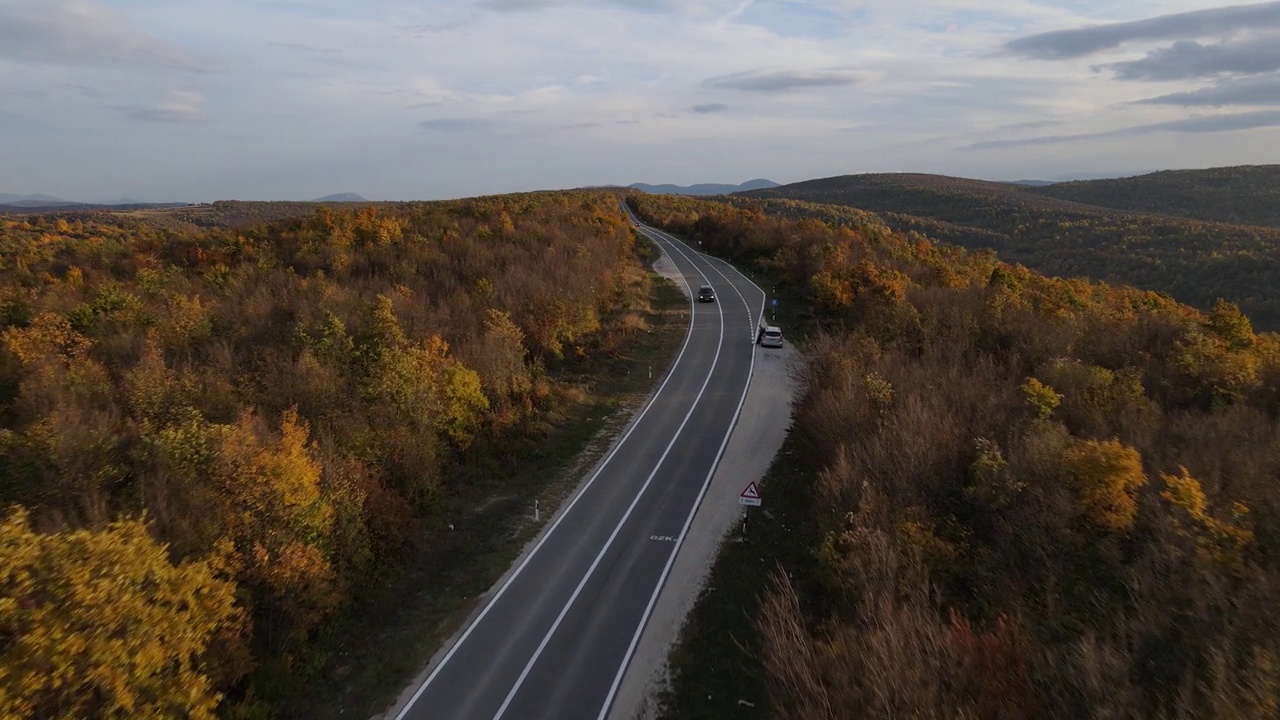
(706, 294)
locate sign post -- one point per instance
(749, 497)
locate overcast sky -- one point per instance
(293, 99)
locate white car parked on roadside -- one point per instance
(770, 336)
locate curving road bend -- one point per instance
(554, 640)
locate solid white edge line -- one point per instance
(599, 469)
(706, 485)
(618, 528)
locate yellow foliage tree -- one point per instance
(102, 625)
(1107, 476)
(428, 387)
(1215, 372)
(830, 292)
(151, 388)
(1218, 541)
(49, 335)
(184, 321)
(278, 518)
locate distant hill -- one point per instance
(1195, 261)
(940, 197)
(342, 197)
(236, 214)
(62, 207)
(36, 202)
(703, 188)
(1031, 183)
(1248, 194)
(32, 200)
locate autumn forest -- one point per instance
(1004, 494)
(220, 436)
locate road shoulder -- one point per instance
(761, 429)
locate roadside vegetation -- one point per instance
(1004, 495)
(1193, 259)
(219, 448)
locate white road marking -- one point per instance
(618, 528)
(671, 238)
(502, 590)
(666, 570)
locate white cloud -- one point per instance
(80, 32)
(179, 106)
(400, 99)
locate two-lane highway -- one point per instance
(553, 641)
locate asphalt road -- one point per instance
(554, 640)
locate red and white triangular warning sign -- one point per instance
(750, 496)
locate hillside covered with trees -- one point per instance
(1004, 495)
(1246, 194)
(212, 442)
(232, 214)
(1195, 261)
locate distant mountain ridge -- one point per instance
(39, 204)
(39, 200)
(12, 202)
(704, 188)
(31, 200)
(1198, 235)
(1243, 194)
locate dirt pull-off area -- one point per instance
(761, 428)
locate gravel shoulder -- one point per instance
(761, 429)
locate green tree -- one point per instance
(380, 333)
(1226, 320)
(429, 388)
(1041, 398)
(499, 359)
